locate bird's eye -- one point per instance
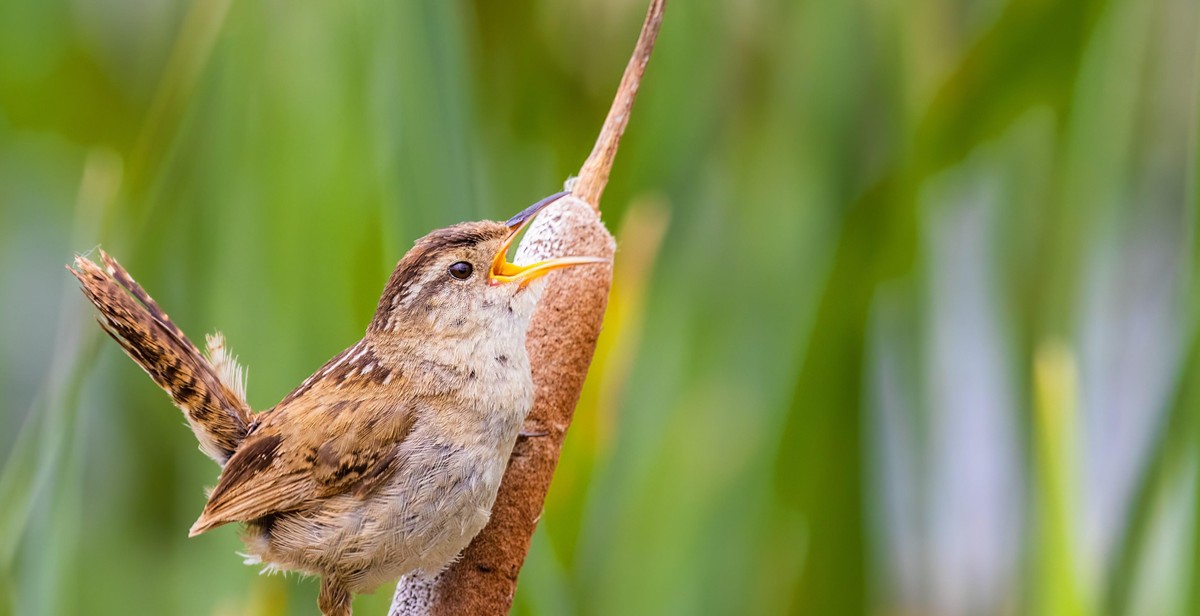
(461, 270)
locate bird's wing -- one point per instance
(313, 447)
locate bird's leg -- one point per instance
(334, 598)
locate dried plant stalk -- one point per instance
(562, 338)
(593, 176)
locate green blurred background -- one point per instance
(903, 319)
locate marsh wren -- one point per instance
(386, 461)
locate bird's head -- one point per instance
(459, 282)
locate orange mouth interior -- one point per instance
(504, 272)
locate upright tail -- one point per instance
(210, 391)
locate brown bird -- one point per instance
(386, 461)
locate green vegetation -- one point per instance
(903, 322)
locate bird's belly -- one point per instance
(417, 522)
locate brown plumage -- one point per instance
(387, 459)
(211, 401)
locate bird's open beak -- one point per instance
(504, 272)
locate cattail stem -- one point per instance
(561, 341)
(593, 176)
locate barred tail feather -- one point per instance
(212, 397)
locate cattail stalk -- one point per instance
(561, 341)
